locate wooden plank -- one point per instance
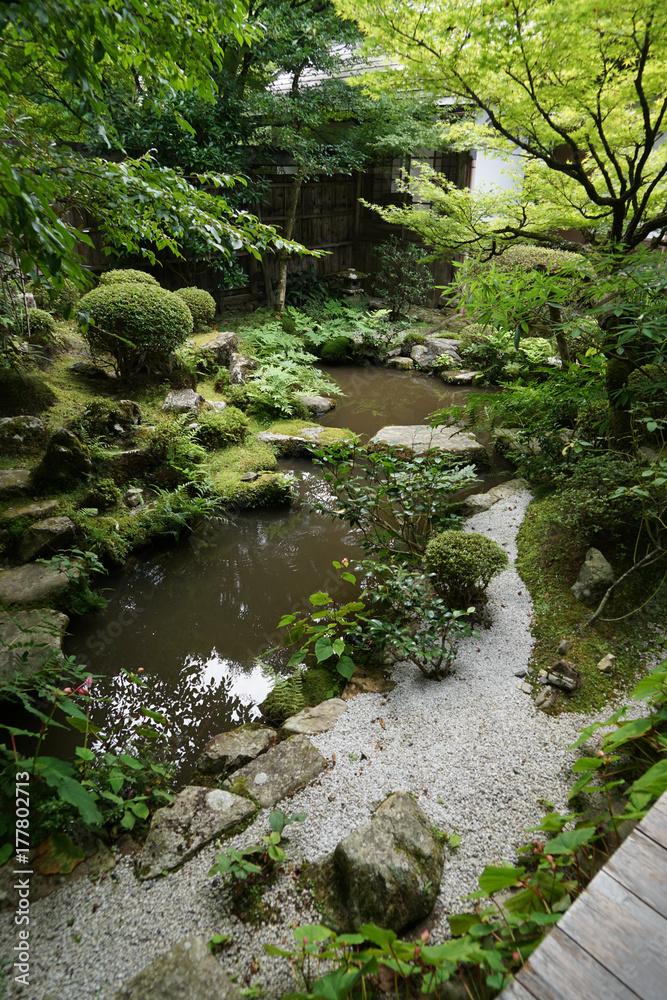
(622, 933)
(561, 970)
(515, 991)
(641, 866)
(654, 824)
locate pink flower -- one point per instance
(86, 686)
(67, 690)
(345, 561)
(425, 935)
(550, 858)
(516, 956)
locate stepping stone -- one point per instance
(43, 508)
(32, 582)
(279, 772)
(461, 378)
(319, 719)
(229, 751)
(50, 535)
(195, 817)
(479, 502)
(28, 639)
(417, 438)
(187, 972)
(14, 482)
(404, 364)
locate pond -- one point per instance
(195, 616)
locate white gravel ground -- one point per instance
(473, 749)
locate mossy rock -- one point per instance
(24, 393)
(67, 460)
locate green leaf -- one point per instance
(320, 598)
(378, 935)
(83, 726)
(131, 762)
(338, 647)
(313, 932)
(569, 840)
(586, 764)
(461, 923)
(653, 781)
(349, 577)
(72, 791)
(323, 648)
(493, 878)
(140, 809)
(84, 753)
(57, 855)
(5, 853)
(345, 667)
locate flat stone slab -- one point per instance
(188, 971)
(44, 508)
(403, 364)
(460, 378)
(14, 482)
(479, 502)
(316, 720)
(195, 817)
(50, 535)
(229, 751)
(32, 582)
(279, 772)
(421, 437)
(292, 445)
(28, 639)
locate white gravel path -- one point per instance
(473, 749)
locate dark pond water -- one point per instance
(196, 616)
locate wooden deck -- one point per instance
(612, 942)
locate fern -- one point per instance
(285, 698)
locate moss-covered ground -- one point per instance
(550, 555)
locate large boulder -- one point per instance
(15, 432)
(229, 751)
(595, 578)
(67, 459)
(195, 817)
(240, 367)
(319, 719)
(317, 405)
(182, 401)
(220, 350)
(387, 872)
(425, 355)
(50, 535)
(188, 971)
(32, 582)
(416, 438)
(279, 772)
(14, 482)
(29, 639)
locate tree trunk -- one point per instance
(620, 421)
(561, 342)
(288, 233)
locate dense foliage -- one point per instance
(463, 564)
(200, 303)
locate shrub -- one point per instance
(221, 383)
(22, 393)
(128, 274)
(401, 278)
(338, 350)
(137, 324)
(217, 429)
(58, 301)
(200, 304)
(42, 326)
(463, 564)
(104, 495)
(475, 333)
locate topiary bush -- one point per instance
(463, 564)
(42, 326)
(123, 275)
(217, 429)
(338, 350)
(104, 495)
(200, 304)
(137, 324)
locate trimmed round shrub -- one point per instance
(200, 304)
(219, 428)
(338, 350)
(463, 563)
(123, 275)
(136, 324)
(42, 326)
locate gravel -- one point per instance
(473, 749)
